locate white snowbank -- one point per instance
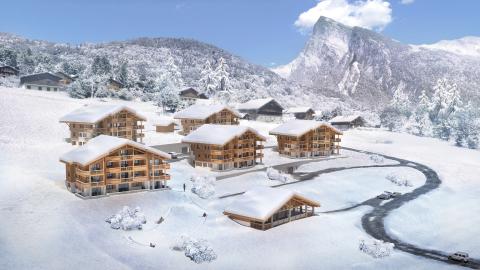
(275, 175)
(127, 219)
(203, 186)
(198, 251)
(398, 180)
(377, 159)
(376, 248)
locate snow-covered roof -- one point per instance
(298, 110)
(254, 104)
(344, 118)
(260, 203)
(298, 127)
(203, 111)
(101, 146)
(163, 121)
(217, 134)
(94, 113)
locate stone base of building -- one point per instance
(102, 191)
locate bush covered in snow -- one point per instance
(203, 186)
(377, 159)
(127, 219)
(198, 251)
(398, 180)
(276, 175)
(376, 248)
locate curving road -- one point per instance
(373, 221)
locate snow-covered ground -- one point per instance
(446, 219)
(43, 226)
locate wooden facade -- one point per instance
(266, 110)
(321, 141)
(243, 151)
(294, 209)
(165, 128)
(346, 122)
(6, 71)
(123, 124)
(190, 95)
(114, 84)
(223, 117)
(126, 168)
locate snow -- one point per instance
(261, 203)
(343, 119)
(298, 110)
(163, 121)
(198, 251)
(376, 248)
(201, 111)
(223, 134)
(298, 127)
(127, 219)
(203, 186)
(42, 219)
(467, 46)
(102, 145)
(254, 104)
(94, 113)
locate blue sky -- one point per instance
(262, 31)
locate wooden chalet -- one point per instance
(346, 122)
(65, 78)
(114, 120)
(265, 207)
(42, 81)
(191, 95)
(307, 138)
(164, 125)
(266, 110)
(6, 71)
(224, 147)
(197, 115)
(302, 113)
(107, 165)
(115, 85)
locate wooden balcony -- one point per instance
(164, 166)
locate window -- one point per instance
(124, 163)
(29, 87)
(109, 164)
(48, 88)
(54, 89)
(39, 88)
(74, 143)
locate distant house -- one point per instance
(42, 81)
(197, 115)
(265, 207)
(66, 79)
(190, 95)
(303, 113)
(113, 84)
(346, 122)
(307, 138)
(164, 125)
(6, 71)
(266, 110)
(108, 165)
(223, 147)
(113, 120)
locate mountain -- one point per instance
(153, 63)
(467, 46)
(367, 67)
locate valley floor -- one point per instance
(43, 226)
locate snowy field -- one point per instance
(43, 226)
(447, 218)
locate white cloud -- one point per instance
(370, 14)
(406, 2)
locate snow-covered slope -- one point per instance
(368, 67)
(468, 46)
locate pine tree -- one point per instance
(207, 79)
(222, 75)
(467, 126)
(122, 75)
(445, 102)
(101, 66)
(419, 122)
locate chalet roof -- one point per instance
(102, 145)
(344, 118)
(260, 203)
(45, 78)
(298, 127)
(9, 67)
(113, 81)
(255, 104)
(218, 134)
(63, 75)
(203, 111)
(299, 110)
(163, 121)
(190, 89)
(94, 113)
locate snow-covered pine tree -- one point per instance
(122, 75)
(207, 79)
(466, 126)
(419, 122)
(396, 115)
(446, 100)
(222, 75)
(101, 66)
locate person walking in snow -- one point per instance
(184, 187)
(204, 215)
